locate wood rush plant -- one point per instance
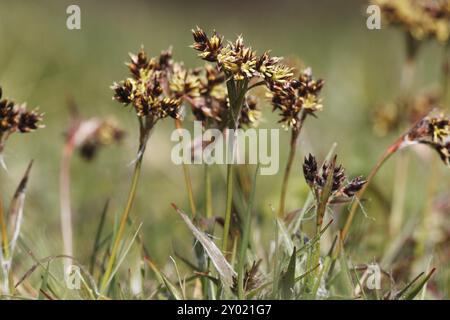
(310, 253)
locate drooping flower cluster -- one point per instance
(147, 89)
(15, 118)
(341, 190)
(423, 19)
(433, 131)
(90, 135)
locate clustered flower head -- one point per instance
(423, 19)
(341, 190)
(293, 97)
(297, 98)
(15, 118)
(211, 104)
(433, 131)
(106, 133)
(147, 89)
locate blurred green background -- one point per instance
(44, 63)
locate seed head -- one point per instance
(341, 191)
(149, 88)
(209, 47)
(15, 118)
(433, 131)
(238, 60)
(296, 98)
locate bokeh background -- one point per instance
(44, 63)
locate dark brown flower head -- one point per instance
(354, 186)
(338, 177)
(296, 98)
(209, 47)
(138, 63)
(433, 131)
(15, 118)
(123, 92)
(29, 120)
(250, 112)
(9, 115)
(310, 170)
(341, 191)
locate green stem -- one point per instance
(236, 94)
(208, 192)
(246, 238)
(287, 173)
(123, 222)
(229, 205)
(322, 202)
(144, 136)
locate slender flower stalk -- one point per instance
(208, 192)
(127, 210)
(237, 94)
(287, 172)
